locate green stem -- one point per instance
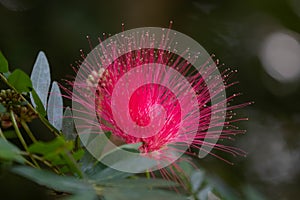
(42, 118)
(148, 176)
(2, 135)
(42, 160)
(15, 125)
(28, 131)
(72, 163)
(46, 163)
(30, 164)
(13, 119)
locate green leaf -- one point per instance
(20, 80)
(78, 154)
(10, 152)
(139, 182)
(54, 146)
(60, 153)
(126, 161)
(53, 181)
(88, 162)
(140, 193)
(2, 108)
(101, 173)
(3, 63)
(39, 105)
(40, 77)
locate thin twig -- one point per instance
(30, 164)
(15, 125)
(28, 131)
(42, 160)
(2, 135)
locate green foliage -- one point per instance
(9, 152)
(101, 173)
(3, 64)
(55, 146)
(58, 183)
(20, 81)
(121, 193)
(118, 189)
(59, 152)
(138, 182)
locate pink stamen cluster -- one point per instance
(145, 100)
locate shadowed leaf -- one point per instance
(53, 181)
(101, 173)
(20, 81)
(3, 64)
(139, 182)
(134, 194)
(10, 152)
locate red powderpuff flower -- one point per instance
(155, 95)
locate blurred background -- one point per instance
(260, 38)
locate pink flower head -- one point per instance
(143, 89)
